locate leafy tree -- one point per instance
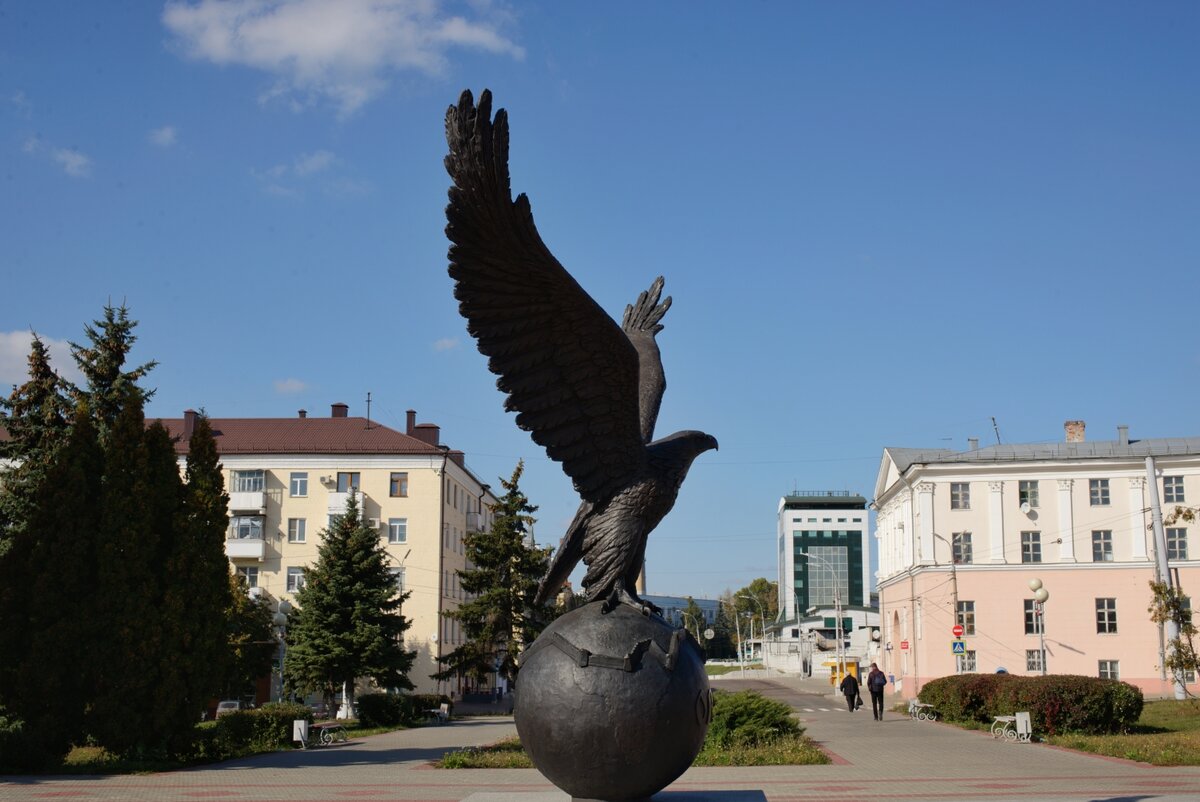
(47, 584)
(347, 621)
(499, 617)
(693, 619)
(1169, 604)
(109, 388)
(249, 637)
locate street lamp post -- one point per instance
(1040, 595)
(763, 634)
(280, 620)
(738, 625)
(837, 608)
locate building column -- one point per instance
(1137, 516)
(996, 521)
(1066, 522)
(925, 510)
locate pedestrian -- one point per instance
(876, 682)
(849, 688)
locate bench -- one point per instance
(919, 711)
(318, 734)
(439, 714)
(1016, 728)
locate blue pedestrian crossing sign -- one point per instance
(958, 647)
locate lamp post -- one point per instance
(1040, 595)
(280, 620)
(763, 634)
(738, 625)
(837, 608)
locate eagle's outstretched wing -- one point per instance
(570, 372)
(641, 324)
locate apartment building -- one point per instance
(973, 538)
(288, 477)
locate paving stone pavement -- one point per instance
(894, 759)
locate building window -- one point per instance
(966, 617)
(397, 530)
(1035, 659)
(397, 578)
(960, 495)
(1031, 547)
(1098, 490)
(297, 528)
(249, 574)
(966, 662)
(1031, 617)
(295, 579)
(1177, 544)
(962, 553)
(1027, 492)
(398, 485)
(242, 527)
(248, 481)
(1110, 669)
(298, 486)
(1106, 615)
(1102, 546)
(347, 482)
(1173, 489)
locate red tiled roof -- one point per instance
(303, 436)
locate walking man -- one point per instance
(849, 687)
(876, 682)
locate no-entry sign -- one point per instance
(904, 645)
(958, 630)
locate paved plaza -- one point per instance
(893, 759)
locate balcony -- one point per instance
(474, 522)
(338, 501)
(251, 501)
(246, 548)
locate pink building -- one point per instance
(961, 536)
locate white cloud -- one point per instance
(163, 137)
(313, 162)
(73, 162)
(290, 386)
(340, 51)
(445, 344)
(31, 145)
(21, 104)
(302, 167)
(14, 358)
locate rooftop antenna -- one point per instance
(996, 429)
(368, 409)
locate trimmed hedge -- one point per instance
(246, 732)
(746, 718)
(1057, 703)
(392, 710)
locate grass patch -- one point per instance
(506, 754)
(1167, 734)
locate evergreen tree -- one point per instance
(47, 585)
(347, 621)
(249, 638)
(499, 617)
(36, 417)
(109, 388)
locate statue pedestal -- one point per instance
(661, 796)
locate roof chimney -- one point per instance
(412, 421)
(427, 433)
(189, 422)
(303, 413)
(338, 410)
(1074, 430)
(1122, 435)
(972, 444)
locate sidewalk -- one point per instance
(896, 759)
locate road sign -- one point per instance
(904, 645)
(958, 647)
(958, 630)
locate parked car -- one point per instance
(229, 706)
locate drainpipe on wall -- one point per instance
(912, 580)
(1162, 570)
(441, 553)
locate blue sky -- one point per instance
(882, 224)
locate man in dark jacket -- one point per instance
(876, 682)
(849, 687)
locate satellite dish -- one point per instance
(1025, 508)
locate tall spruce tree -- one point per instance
(347, 622)
(47, 585)
(109, 388)
(499, 617)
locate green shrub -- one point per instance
(746, 718)
(417, 705)
(1056, 703)
(273, 724)
(380, 709)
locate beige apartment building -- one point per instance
(287, 477)
(961, 535)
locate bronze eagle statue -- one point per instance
(586, 389)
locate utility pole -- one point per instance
(1162, 570)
